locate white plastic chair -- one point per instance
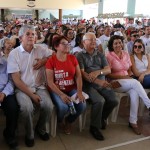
(142, 105)
(82, 120)
(53, 124)
(114, 113)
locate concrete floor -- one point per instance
(118, 136)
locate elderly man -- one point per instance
(9, 104)
(26, 65)
(94, 67)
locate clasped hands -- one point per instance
(103, 83)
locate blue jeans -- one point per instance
(63, 108)
(146, 81)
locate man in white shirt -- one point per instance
(105, 37)
(130, 23)
(26, 65)
(146, 39)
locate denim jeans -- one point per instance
(63, 108)
(146, 81)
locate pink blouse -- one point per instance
(119, 66)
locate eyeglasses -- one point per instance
(66, 44)
(139, 47)
(135, 35)
(29, 34)
(91, 40)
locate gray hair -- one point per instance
(85, 37)
(24, 28)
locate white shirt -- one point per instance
(130, 25)
(21, 61)
(141, 65)
(146, 42)
(104, 38)
(76, 49)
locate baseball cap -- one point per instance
(1, 28)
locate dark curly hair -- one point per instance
(66, 32)
(78, 39)
(111, 41)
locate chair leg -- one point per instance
(82, 120)
(53, 122)
(141, 108)
(114, 113)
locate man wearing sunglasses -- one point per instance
(133, 36)
(2, 37)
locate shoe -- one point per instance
(103, 124)
(135, 128)
(29, 142)
(44, 137)
(67, 127)
(12, 143)
(96, 133)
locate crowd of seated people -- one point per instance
(44, 64)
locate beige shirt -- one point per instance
(21, 61)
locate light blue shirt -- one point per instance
(6, 84)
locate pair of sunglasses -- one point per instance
(135, 35)
(139, 47)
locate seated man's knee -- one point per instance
(26, 110)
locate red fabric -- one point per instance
(64, 72)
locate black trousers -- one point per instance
(10, 108)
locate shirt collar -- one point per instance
(23, 50)
(94, 53)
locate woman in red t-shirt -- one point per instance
(64, 80)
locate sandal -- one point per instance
(67, 128)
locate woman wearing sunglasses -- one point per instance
(141, 63)
(119, 61)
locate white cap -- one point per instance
(118, 33)
(1, 28)
(45, 29)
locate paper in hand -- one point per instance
(73, 97)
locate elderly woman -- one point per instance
(64, 79)
(7, 47)
(141, 63)
(120, 64)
